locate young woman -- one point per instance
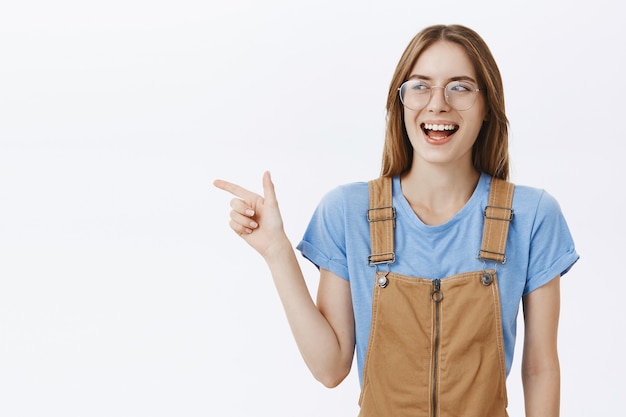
(423, 270)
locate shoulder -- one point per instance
(536, 206)
(539, 223)
(346, 195)
(526, 198)
(326, 238)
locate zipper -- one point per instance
(436, 296)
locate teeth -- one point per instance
(441, 127)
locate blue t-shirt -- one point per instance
(539, 247)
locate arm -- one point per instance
(324, 332)
(541, 374)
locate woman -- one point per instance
(423, 270)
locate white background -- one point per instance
(122, 290)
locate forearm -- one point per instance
(541, 374)
(317, 341)
(542, 391)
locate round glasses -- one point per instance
(460, 95)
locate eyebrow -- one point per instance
(456, 78)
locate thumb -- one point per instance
(269, 194)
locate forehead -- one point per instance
(443, 60)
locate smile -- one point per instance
(439, 131)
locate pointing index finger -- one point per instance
(235, 190)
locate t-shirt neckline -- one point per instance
(402, 204)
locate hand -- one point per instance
(256, 219)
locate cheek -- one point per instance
(476, 121)
(410, 124)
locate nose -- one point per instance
(437, 101)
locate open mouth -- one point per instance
(439, 131)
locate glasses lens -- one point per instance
(461, 95)
(414, 94)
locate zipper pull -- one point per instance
(436, 295)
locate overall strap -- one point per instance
(498, 215)
(382, 218)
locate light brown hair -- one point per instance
(490, 153)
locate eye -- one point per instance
(460, 87)
(418, 86)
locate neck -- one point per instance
(436, 194)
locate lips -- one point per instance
(439, 131)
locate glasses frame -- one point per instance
(445, 94)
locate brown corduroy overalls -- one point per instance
(435, 347)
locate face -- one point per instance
(439, 133)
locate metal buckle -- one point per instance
(482, 258)
(510, 216)
(372, 218)
(370, 262)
